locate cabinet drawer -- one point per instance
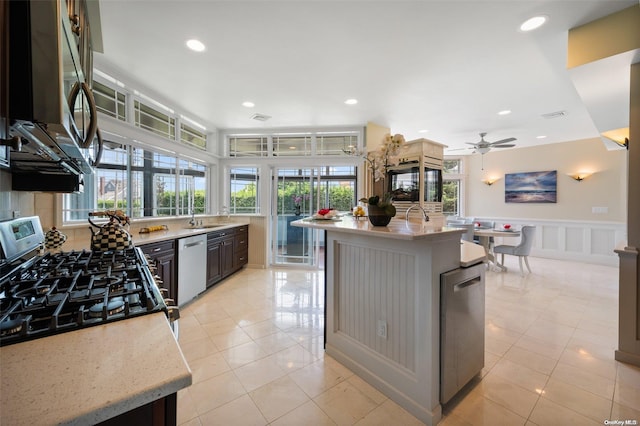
(240, 259)
(240, 242)
(219, 234)
(159, 247)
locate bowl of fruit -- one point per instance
(358, 212)
(325, 214)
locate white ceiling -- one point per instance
(446, 66)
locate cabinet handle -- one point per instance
(155, 250)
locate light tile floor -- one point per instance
(254, 344)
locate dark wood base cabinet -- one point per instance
(226, 253)
(162, 256)
(161, 412)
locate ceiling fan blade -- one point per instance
(504, 146)
(469, 143)
(459, 149)
(502, 141)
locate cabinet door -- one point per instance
(227, 256)
(166, 270)
(162, 257)
(214, 262)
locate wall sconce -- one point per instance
(490, 181)
(580, 176)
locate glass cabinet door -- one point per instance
(432, 185)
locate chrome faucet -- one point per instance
(193, 222)
(424, 213)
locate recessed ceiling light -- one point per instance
(541, 137)
(351, 101)
(248, 104)
(195, 45)
(423, 131)
(533, 23)
(505, 112)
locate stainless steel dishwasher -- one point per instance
(192, 267)
(461, 328)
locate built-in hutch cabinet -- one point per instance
(417, 179)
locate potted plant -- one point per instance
(380, 209)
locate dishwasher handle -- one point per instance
(197, 243)
(461, 286)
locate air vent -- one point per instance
(260, 117)
(554, 114)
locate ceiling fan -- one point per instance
(483, 146)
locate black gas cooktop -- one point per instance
(66, 291)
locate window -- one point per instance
(338, 187)
(452, 187)
(154, 121)
(244, 190)
(291, 146)
(335, 144)
(110, 101)
(141, 183)
(192, 136)
(248, 146)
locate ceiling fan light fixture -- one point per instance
(483, 150)
(533, 23)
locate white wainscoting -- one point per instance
(591, 242)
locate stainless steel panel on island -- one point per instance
(383, 304)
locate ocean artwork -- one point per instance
(532, 187)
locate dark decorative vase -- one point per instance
(296, 210)
(377, 216)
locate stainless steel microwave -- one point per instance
(51, 108)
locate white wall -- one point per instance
(567, 229)
(607, 187)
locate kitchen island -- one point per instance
(93, 374)
(383, 303)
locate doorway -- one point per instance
(294, 197)
(298, 193)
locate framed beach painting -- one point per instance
(531, 187)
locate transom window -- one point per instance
(248, 146)
(284, 146)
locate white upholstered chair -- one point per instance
(522, 250)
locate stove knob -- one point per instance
(164, 292)
(169, 302)
(173, 312)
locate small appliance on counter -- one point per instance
(42, 295)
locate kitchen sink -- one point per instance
(204, 226)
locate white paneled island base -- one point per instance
(383, 305)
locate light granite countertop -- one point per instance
(90, 375)
(397, 229)
(174, 232)
(470, 253)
